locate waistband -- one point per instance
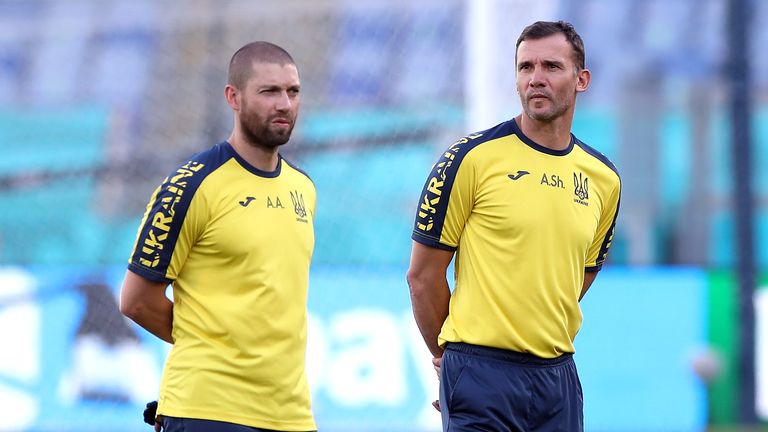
(507, 355)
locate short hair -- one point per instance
(241, 64)
(542, 29)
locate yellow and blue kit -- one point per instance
(526, 222)
(235, 242)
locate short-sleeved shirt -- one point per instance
(235, 242)
(526, 222)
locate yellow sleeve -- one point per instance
(192, 229)
(460, 203)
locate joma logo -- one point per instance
(517, 175)
(246, 201)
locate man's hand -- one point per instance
(436, 404)
(436, 363)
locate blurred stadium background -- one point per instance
(100, 99)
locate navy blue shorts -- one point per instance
(178, 424)
(490, 389)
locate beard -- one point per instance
(557, 109)
(258, 131)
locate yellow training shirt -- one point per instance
(236, 243)
(526, 222)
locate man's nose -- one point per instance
(283, 102)
(537, 77)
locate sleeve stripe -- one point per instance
(433, 204)
(427, 241)
(162, 223)
(608, 237)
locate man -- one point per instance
(529, 211)
(232, 231)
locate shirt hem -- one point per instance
(304, 425)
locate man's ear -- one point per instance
(582, 80)
(232, 95)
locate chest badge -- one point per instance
(299, 207)
(581, 189)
